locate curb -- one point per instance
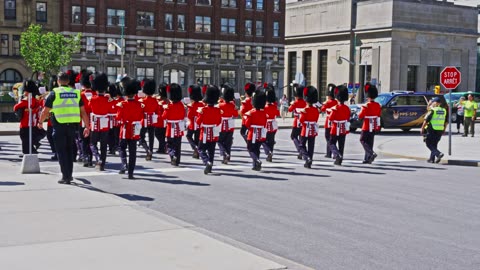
(9, 133)
(455, 162)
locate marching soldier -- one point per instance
(28, 115)
(308, 119)
(339, 117)
(114, 132)
(130, 114)
(174, 115)
(86, 94)
(229, 113)
(193, 130)
(209, 120)
(370, 113)
(295, 107)
(271, 109)
(151, 111)
(246, 107)
(326, 108)
(161, 129)
(255, 122)
(435, 125)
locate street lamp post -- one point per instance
(121, 48)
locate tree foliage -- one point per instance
(47, 52)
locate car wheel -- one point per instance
(406, 129)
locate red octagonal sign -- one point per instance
(450, 77)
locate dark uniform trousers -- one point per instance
(193, 137)
(295, 136)
(269, 143)
(24, 136)
(327, 139)
(64, 140)
(432, 139)
(175, 147)
(307, 153)
(207, 151)
(254, 150)
(113, 139)
(95, 138)
(87, 152)
(367, 139)
(243, 132)
(50, 138)
(341, 145)
(225, 142)
(132, 154)
(151, 136)
(160, 135)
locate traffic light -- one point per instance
(437, 89)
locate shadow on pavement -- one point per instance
(130, 197)
(344, 169)
(405, 166)
(254, 176)
(11, 183)
(158, 179)
(299, 174)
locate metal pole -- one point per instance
(449, 123)
(30, 123)
(122, 49)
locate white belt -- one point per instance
(227, 123)
(98, 121)
(150, 119)
(341, 124)
(258, 132)
(175, 123)
(311, 125)
(373, 122)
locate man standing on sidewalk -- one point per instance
(470, 110)
(67, 110)
(434, 124)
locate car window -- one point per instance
(382, 99)
(417, 101)
(399, 101)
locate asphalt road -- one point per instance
(393, 214)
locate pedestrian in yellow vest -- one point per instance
(469, 112)
(434, 125)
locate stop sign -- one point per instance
(450, 77)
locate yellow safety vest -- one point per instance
(66, 106)
(438, 118)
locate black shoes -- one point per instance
(226, 159)
(308, 164)
(149, 157)
(439, 158)
(174, 161)
(338, 160)
(54, 157)
(430, 160)
(270, 157)
(131, 177)
(122, 170)
(196, 155)
(257, 166)
(208, 168)
(100, 166)
(300, 156)
(64, 181)
(372, 158)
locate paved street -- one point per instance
(399, 213)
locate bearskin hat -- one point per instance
(259, 99)
(311, 94)
(249, 89)
(268, 86)
(162, 90)
(298, 91)
(149, 87)
(228, 92)
(271, 97)
(341, 93)
(175, 91)
(72, 76)
(132, 87)
(371, 90)
(31, 87)
(99, 82)
(212, 95)
(85, 78)
(195, 92)
(53, 83)
(113, 90)
(331, 90)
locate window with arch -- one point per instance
(8, 78)
(174, 76)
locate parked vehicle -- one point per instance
(355, 123)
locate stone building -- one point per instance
(396, 44)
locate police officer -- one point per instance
(434, 124)
(67, 110)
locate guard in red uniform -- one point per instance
(114, 132)
(246, 107)
(86, 94)
(193, 129)
(130, 114)
(308, 119)
(339, 117)
(100, 106)
(28, 115)
(229, 113)
(160, 131)
(256, 120)
(209, 120)
(174, 114)
(271, 109)
(370, 113)
(326, 108)
(295, 107)
(152, 117)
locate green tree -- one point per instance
(47, 52)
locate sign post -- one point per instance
(450, 78)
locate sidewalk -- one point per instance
(50, 226)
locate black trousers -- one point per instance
(269, 143)
(87, 153)
(64, 140)
(367, 139)
(431, 141)
(295, 136)
(225, 142)
(193, 137)
(459, 121)
(243, 132)
(50, 139)
(95, 138)
(254, 150)
(151, 136)
(160, 135)
(307, 151)
(341, 145)
(113, 138)
(175, 147)
(24, 136)
(327, 139)
(207, 152)
(132, 154)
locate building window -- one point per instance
(276, 29)
(92, 69)
(248, 76)
(90, 15)
(112, 73)
(276, 5)
(41, 12)
(168, 21)
(115, 17)
(228, 76)
(275, 78)
(259, 4)
(167, 47)
(112, 49)
(433, 77)
(181, 1)
(90, 45)
(259, 53)
(259, 28)
(76, 15)
(412, 78)
(307, 67)
(203, 24)
(248, 27)
(227, 52)
(203, 76)
(9, 77)
(10, 11)
(4, 45)
(204, 2)
(249, 4)
(145, 73)
(292, 66)
(259, 76)
(145, 19)
(228, 26)
(322, 72)
(16, 45)
(248, 53)
(77, 69)
(203, 50)
(229, 3)
(181, 22)
(275, 54)
(174, 76)
(181, 48)
(145, 47)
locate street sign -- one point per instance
(450, 77)
(357, 86)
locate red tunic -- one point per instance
(86, 96)
(297, 104)
(308, 119)
(229, 113)
(271, 109)
(326, 108)
(255, 121)
(34, 106)
(246, 107)
(174, 114)
(131, 115)
(152, 112)
(208, 119)
(192, 114)
(112, 112)
(100, 106)
(163, 122)
(370, 113)
(339, 117)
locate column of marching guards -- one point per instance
(123, 114)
